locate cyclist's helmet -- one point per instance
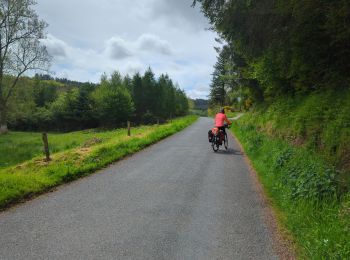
(222, 110)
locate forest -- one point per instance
(45, 103)
(278, 48)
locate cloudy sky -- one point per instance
(89, 37)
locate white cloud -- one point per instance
(109, 35)
(198, 92)
(55, 47)
(152, 43)
(180, 14)
(117, 48)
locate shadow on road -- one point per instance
(229, 151)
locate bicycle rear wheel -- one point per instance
(214, 144)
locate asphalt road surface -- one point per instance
(174, 200)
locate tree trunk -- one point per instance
(3, 118)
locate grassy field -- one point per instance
(76, 154)
(17, 147)
(303, 188)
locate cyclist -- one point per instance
(220, 120)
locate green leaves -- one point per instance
(279, 48)
(113, 102)
(44, 103)
(157, 98)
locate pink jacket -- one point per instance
(220, 119)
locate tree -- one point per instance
(138, 95)
(44, 92)
(149, 88)
(127, 82)
(113, 101)
(20, 48)
(222, 77)
(73, 109)
(287, 47)
(181, 107)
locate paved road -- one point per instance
(174, 200)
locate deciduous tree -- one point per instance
(20, 48)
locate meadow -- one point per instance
(17, 147)
(73, 155)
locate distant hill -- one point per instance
(64, 81)
(201, 104)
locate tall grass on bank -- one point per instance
(303, 187)
(35, 176)
(320, 122)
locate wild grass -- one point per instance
(17, 147)
(303, 187)
(77, 155)
(319, 122)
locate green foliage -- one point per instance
(44, 103)
(279, 48)
(319, 122)
(149, 118)
(113, 102)
(199, 112)
(157, 99)
(303, 175)
(45, 92)
(218, 88)
(303, 187)
(198, 107)
(21, 51)
(81, 153)
(72, 110)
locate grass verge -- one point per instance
(303, 188)
(319, 122)
(35, 176)
(18, 147)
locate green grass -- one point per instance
(231, 114)
(319, 122)
(303, 187)
(17, 147)
(78, 155)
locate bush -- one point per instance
(148, 118)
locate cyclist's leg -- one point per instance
(222, 128)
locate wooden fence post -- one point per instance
(129, 132)
(46, 147)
